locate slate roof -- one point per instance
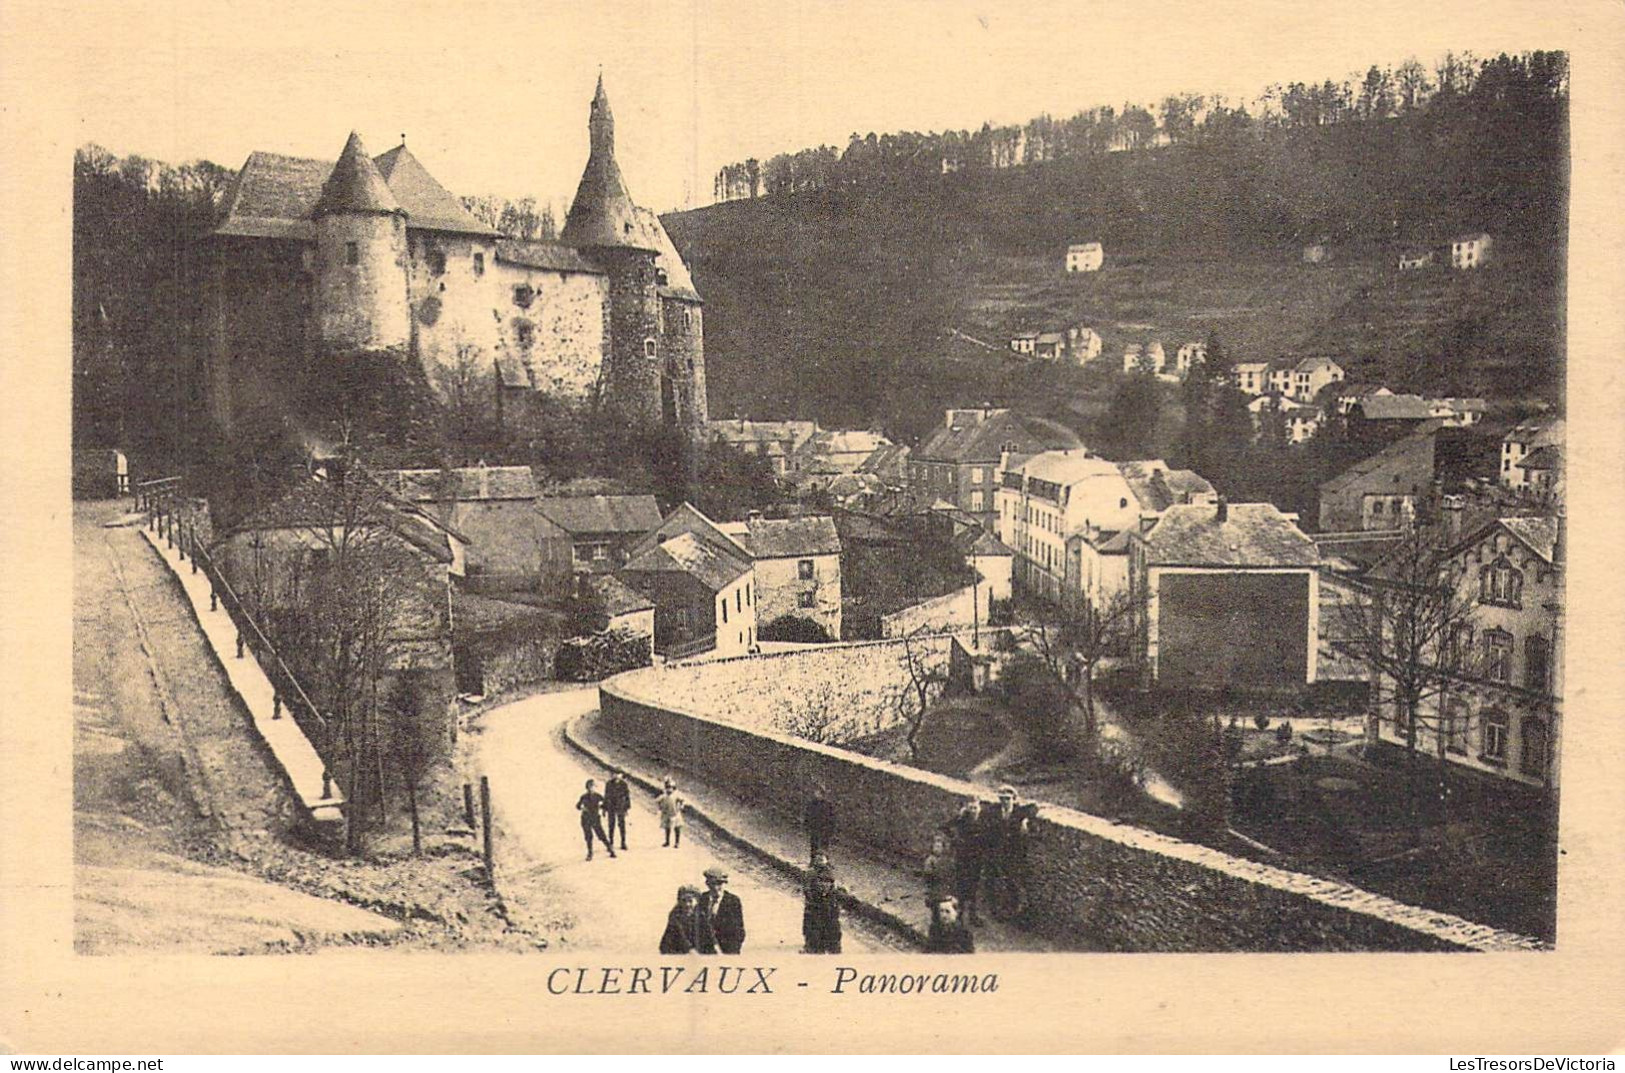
(887, 460)
(601, 514)
(974, 540)
(355, 185)
(552, 256)
(1067, 467)
(791, 538)
(743, 431)
(602, 212)
(1537, 432)
(1421, 440)
(274, 196)
(1543, 458)
(471, 483)
(981, 442)
(1395, 408)
(685, 553)
(616, 597)
(428, 205)
(472, 614)
(319, 504)
(1540, 534)
(1253, 535)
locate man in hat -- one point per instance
(722, 908)
(588, 805)
(617, 803)
(969, 838)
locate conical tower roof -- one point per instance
(603, 213)
(355, 184)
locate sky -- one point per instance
(492, 97)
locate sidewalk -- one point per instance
(882, 888)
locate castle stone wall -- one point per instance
(361, 306)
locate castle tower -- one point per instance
(361, 295)
(604, 224)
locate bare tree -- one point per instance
(1072, 638)
(926, 681)
(812, 714)
(1408, 624)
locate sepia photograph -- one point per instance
(661, 492)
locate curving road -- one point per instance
(613, 905)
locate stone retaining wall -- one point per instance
(1098, 885)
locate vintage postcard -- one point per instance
(813, 528)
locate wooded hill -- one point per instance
(851, 302)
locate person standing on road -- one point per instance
(671, 815)
(688, 931)
(821, 915)
(588, 805)
(965, 832)
(724, 911)
(820, 818)
(938, 871)
(617, 803)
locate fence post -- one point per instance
(194, 548)
(485, 819)
(239, 644)
(276, 704)
(214, 599)
(468, 804)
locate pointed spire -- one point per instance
(603, 213)
(355, 184)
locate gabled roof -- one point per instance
(974, 540)
(428, 205)
(1537, 533)
(1543, 458)
(469, 484)
(984, 440)
(886, 460)
(687, 518)
(1055, 338)
(1537, 432)
(274, 196)
(616, 597)
(601, 514)
(355, 185)
(789, 538)
(684, 553)
(743, 431)
(1311, 364)
(679, 284)
(1417, 442)
(1395, 408)
(1252, 535)
(552, 256)
(315, 504)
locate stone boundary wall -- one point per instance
(951, 611)
(1097, 885)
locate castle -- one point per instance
(316, 261)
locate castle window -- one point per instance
(649, 348)
(479, 264)
(352, 253)
(525, 332)
(437, 260)
(660, 277)
(523, 295)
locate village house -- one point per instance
(1345, 395)
(1229, 598)
(493, 507)
(703, 585)
(1049, 345)
(774, 440)
(1470, 251)
(1501, 717)
(366, 254)
(831, 451)
(889, 464)
(1523, 439)
(1083, 343)
(959, 462)
(798, 570)
(1279, 378)
(1543, 474)
(1189, 355)
(1085, 257)
(1383, 491)
(1310, 375)
(1252, 377)
(1412, 260)
(1066, 516)
(1385, 418)
(592, 534)
(624, 609)
(1298, 420)
(1024, 342)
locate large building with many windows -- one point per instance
(959, 463)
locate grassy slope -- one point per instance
(838, 306)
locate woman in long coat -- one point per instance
(688, 931)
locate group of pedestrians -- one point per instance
(614, 804)
(711, 921)
(980, 851)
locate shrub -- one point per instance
(1261, 721)
(600, 655)
(794, 628)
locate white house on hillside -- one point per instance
(1252, 377)
(1470, 251)
(1085, 257)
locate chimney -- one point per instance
(1453, 508)
(1224, 510)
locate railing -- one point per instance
(694, 647)
(158, 497)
